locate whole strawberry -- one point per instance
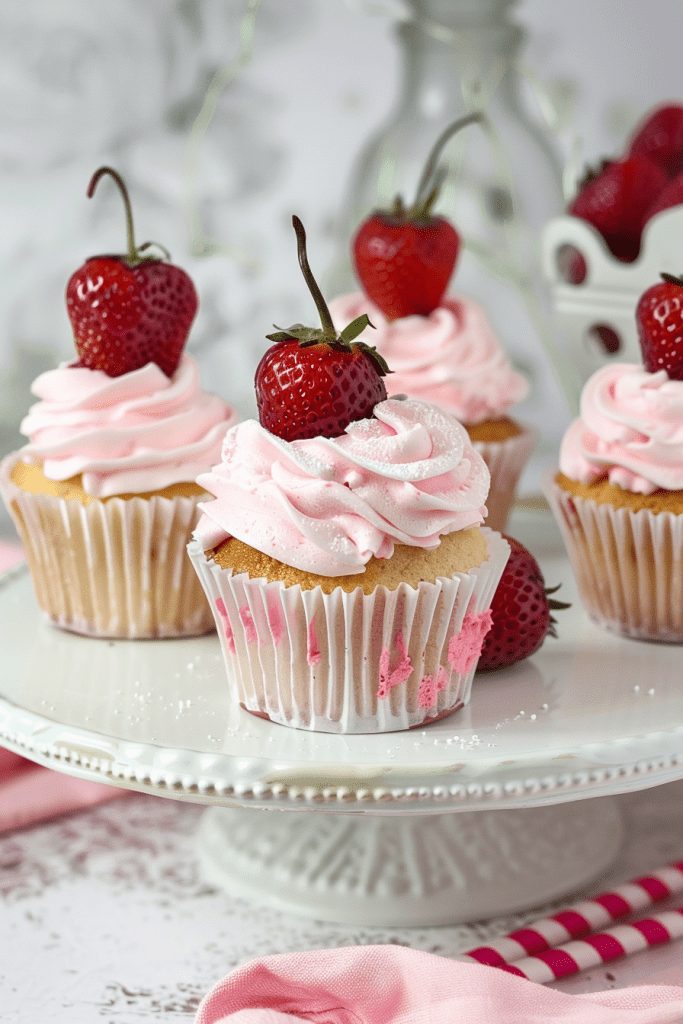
(660, 137)
(313, 382)
(659, 318)
(616, 200)
(521, 611)
(404, 258)
(129, 310)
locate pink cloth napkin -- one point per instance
(29, 793)
(395, 985)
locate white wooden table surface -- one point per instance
(105, 916)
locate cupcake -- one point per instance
(104, 495)
(618, 495)
(452, 359)
(343, 554)
(440, 350)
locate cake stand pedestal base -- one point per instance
(423, 869)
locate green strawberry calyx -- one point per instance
(555, 606)
(591, 172)
(326, 334)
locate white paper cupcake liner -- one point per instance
(628, 564)
(506, 461)
(351, 662)
(116, 568)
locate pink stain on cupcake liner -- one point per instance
(387, 679)
(248, 623)
(312, 650)
(465, 647)
(227, 629)
(275, 621)
(431, 687)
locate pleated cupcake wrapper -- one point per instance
(506, 461)
(115, 568)
(321, 661)
(628, 564)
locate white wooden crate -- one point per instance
(610, 292)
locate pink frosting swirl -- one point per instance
(326, 505)
(451, 358)
(630, 431)
(138, 432)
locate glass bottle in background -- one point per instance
(502, 187)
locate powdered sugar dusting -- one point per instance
(405, 440)
(408, 475)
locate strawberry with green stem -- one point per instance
(313, 382)
(131, 309)
(404, 258)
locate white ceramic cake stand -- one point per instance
(591, 715)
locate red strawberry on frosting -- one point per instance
(404, 258)
(313, 382)
(616, 200)
(129, 310)
(659, 318)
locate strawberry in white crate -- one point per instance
(621, 230)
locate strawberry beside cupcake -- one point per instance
(346, 565)
(104, 494)
(441, 350)
(618, 496)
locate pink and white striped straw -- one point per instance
(599, 949)
(582, 918)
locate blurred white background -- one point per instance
(86, 82)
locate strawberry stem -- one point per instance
(329, 332)
(422, 195)
(132, 255)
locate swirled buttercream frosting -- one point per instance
(326, 505)
(630, 430)
(451, 358)
(138, 432)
